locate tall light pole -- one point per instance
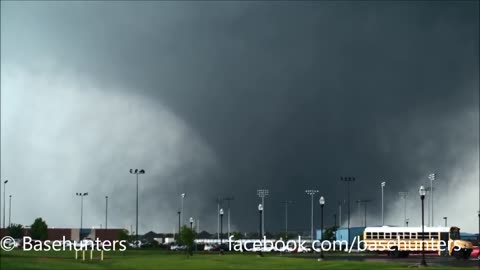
(427, 205)
(340, 213)
(311, 192)
(260, 214)
(137, 172)
(4, 188)
(220, 213)
(262, 193)
(404, 195)
(348, 180)
(182, 199)
(365, 202)
(219, 201)
(383, 218)
(422, 193)
(432, 178)
(478, 237)
(322, 204)
(228, 199)
(179, 225)
(445, 218)
(9, 210)
(81, 195)
(106, 212)
(286, 203)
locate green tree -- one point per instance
(39, 229)
(187, 237)
(237, 235)
(15, 230)
(124, 235)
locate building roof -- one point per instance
(407, 229)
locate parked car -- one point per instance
(136, 244)
(18, 242)
(475, 253)
(178, 247)
(209, 247)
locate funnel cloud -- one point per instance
(224, 98)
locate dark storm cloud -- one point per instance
(287, 95)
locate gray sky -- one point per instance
(221, 98)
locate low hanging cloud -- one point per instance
(62, 134)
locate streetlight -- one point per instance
(404, 195)
(262, 193)
(106, 212)
(260, 214)
(191, 223)
(4, 188)
(311, 192)
(422, 193)
(445, 218)
(137, 172)
(221, 225)
(322, 204)
(286, 203)
(81, 212)
(348, 180)
(432, 178)
(383, 219)
(9, 210)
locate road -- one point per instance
(412, 259)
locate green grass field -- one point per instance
(155, 259)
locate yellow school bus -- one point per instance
(400, 241)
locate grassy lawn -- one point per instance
(154, 259)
